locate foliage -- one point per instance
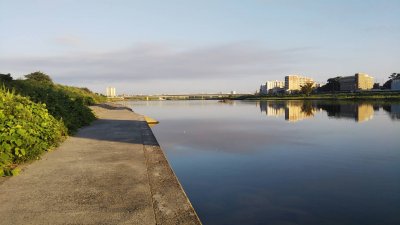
(26, 131)
(62, 102)
(388, 84)
(394, 76)
(307, 108)
(307, 88)
(332, 85)
(88, 97)
(36, 115)
(39, 77)
(5, 77)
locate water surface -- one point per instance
(284, 162)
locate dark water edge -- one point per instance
(284, 162)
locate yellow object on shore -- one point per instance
(150, 120)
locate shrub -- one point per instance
(39, 77)
(62, 102)
(26, 130)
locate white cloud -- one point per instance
(68, 40)
(158, 62)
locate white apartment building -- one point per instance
(272, 87)
(110, 92)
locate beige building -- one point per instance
(360, 81)
(294, 82)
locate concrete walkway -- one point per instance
(112, 172)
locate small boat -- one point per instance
(225, 100)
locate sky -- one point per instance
(203, 46)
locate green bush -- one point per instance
(26, 130)
(67, 103)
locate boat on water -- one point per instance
(226, 101)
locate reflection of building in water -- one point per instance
(273, 108)
(364, 112)
(358, 112)
(292, 110)
(393, 110)
(300, 110)
(296, 111)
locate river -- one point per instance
(283, 162)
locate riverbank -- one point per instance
(383, 95)
(365, 95)
(111, 172)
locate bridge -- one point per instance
(183, 96)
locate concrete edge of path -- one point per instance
(170, 202)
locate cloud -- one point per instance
(68, 40)
(151, 61)
(161, 68)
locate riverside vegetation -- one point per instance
(36, 115)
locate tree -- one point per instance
(307, 88)
(39, 77)
(5, 77)
(394, 76)
(332, 85)
(388, 84)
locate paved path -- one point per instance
(112, 172)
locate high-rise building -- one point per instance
(274, 86)
(360, 81)
(110, 92)
(294, 82)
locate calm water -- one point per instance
(284, 162)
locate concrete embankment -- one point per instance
(111, 172)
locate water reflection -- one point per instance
(294, 111)
(240, 167)
(393, 110)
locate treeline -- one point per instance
(36, 114)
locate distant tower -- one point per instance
(110, 92)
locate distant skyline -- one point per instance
(153, 47)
